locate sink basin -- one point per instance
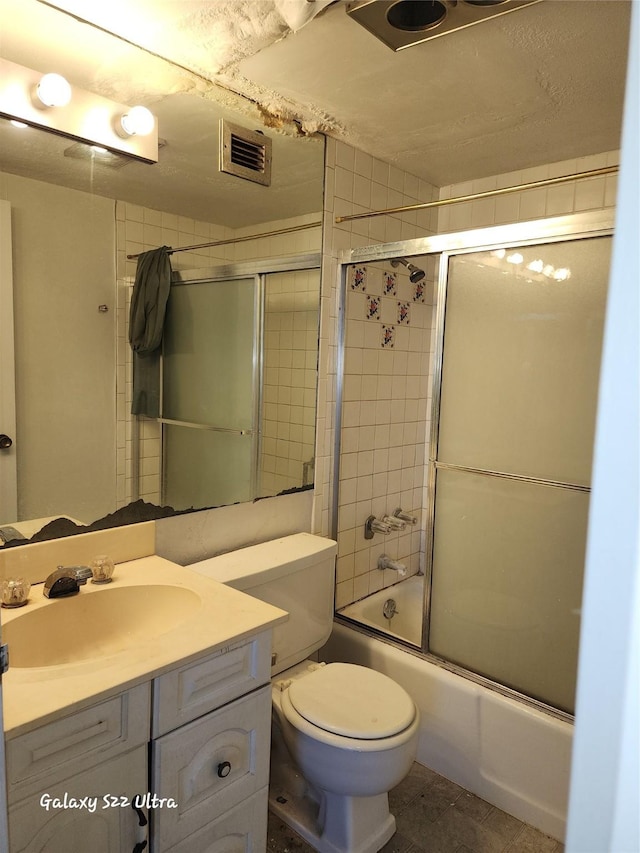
(96, 623)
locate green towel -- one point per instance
(146, 323)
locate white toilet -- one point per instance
(342, 735)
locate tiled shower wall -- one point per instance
(385, 422)
(290, 378)
(573, 197)
(139, 229)
(388, 377)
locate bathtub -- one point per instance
(505, 751)
(406, 621)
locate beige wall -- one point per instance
(64, 268)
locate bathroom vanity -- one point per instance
(161, 744)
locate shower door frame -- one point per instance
(573, 227)
(243, 270)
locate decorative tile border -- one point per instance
(389, 284)
(358, 278)
(388, 337)
(404, 313)
(373, 308)
(419, 289)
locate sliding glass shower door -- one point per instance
(210, 392)
(511, 470)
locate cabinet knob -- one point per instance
(224, 768)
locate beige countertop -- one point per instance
(221, 617)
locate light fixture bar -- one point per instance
(86, 118)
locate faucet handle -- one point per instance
(394, 522)
(404, 516)
(373, 525)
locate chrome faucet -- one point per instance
(66, 580)
(385, 562)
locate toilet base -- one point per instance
(335, 823)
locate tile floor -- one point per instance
(434, 815)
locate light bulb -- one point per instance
(536, 266)
(515, 258)
(139, 121)
(20, 124)
(562, 274)
(53, 90)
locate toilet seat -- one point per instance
(352, 702)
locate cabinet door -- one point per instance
(211, 765)
(241, 830)
(40, 825)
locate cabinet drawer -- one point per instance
(69, 745)
(211, 765)
(188, 692)
(243, 829)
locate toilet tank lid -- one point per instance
(251, 566)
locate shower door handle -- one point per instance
(5, 441)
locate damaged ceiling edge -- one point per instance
(225, 85)
(277, 111)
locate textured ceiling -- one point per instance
(539, 84)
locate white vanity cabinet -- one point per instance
(210, 752)
(73, 782)
(60, 774)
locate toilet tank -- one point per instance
(295, 573)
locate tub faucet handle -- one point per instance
(394, 522)
(404, 516)
(373, 525)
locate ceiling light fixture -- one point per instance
(53, 90)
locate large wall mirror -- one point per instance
(244, 312)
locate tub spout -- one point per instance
(385, 562)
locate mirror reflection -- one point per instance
(242, 318)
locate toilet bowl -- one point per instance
(342, 735)
(350, 734)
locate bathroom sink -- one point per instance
(96, 623)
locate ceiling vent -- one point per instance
(245, 153)
(403, 23)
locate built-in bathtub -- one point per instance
(404, 600)
(507, 752)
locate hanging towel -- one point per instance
(146, 323)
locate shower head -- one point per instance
(415, 273)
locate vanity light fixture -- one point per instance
(52, 90)
(46, 102)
